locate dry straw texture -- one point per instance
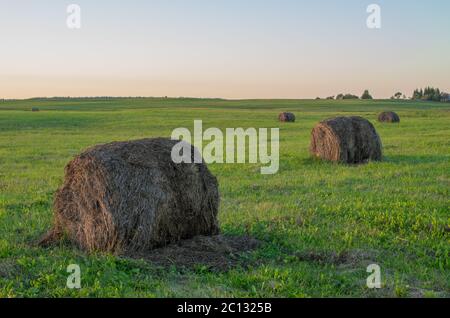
(286, 117)
(349, 140)
(388, 117)
(131, 197)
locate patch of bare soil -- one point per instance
(218, 253)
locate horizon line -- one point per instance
(188, 97)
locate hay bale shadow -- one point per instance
(217, 253)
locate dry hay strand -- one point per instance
(130, 196)
(349, 140)
(388, 117)
(286, 117)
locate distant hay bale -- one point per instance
(286, 117)
(388, 117)
(349, 140)
(131, 197)
(34, 109)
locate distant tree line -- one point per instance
(365, 95)
(427, 94)
(430, 94)
(398, 95)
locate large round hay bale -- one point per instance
(388, 117)
(286, 117)
(34, 109)
(130, 196)
(346, 139)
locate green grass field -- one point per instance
(321, 224)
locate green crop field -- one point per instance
(320, 224)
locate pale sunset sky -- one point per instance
(222, 48)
